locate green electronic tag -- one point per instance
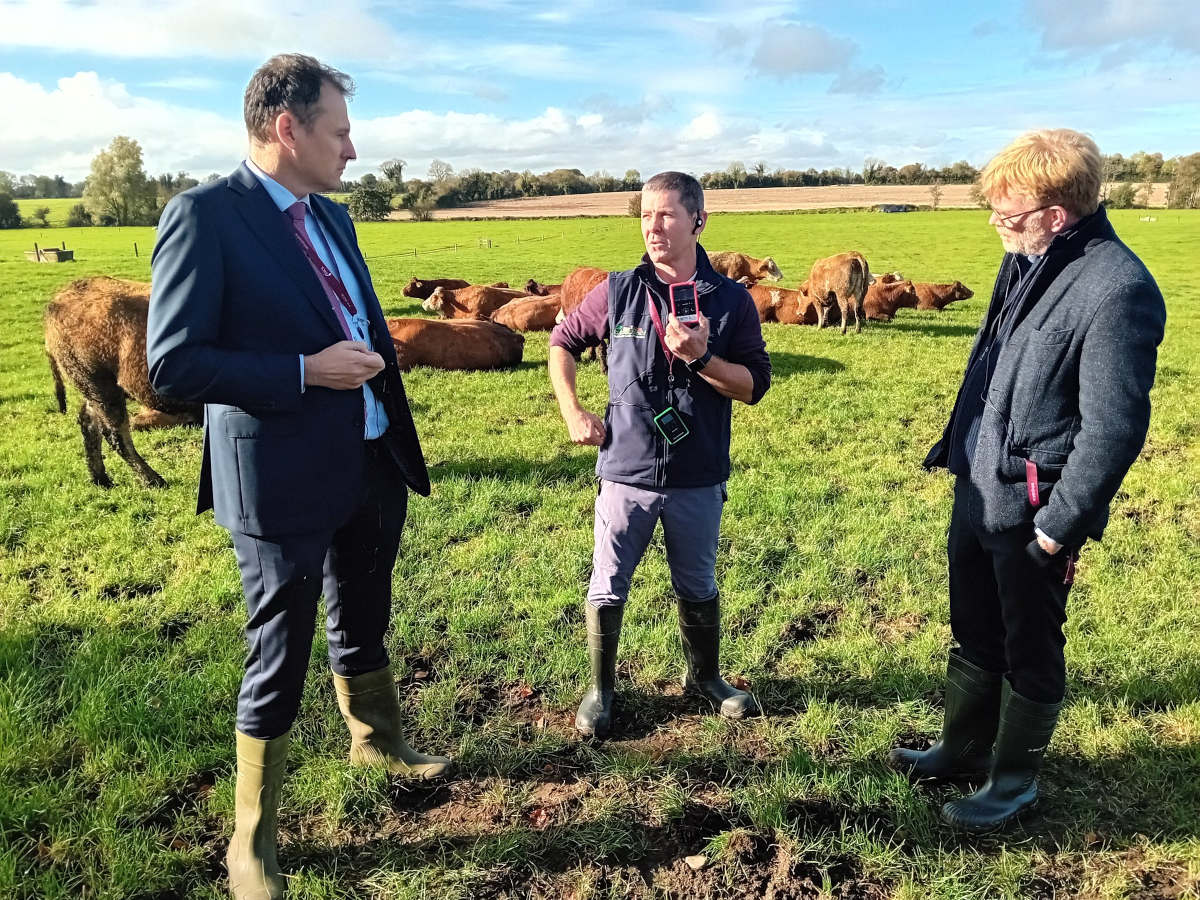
(670, 425)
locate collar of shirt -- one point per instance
(280, 196)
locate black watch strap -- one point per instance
(700, 362)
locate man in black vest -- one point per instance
(664, 439)
(1053, 410)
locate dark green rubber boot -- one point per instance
(700, 632)
(968, 728)
(594, 717)
(1025, 731)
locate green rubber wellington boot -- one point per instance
(700, 632)
(1025, 731)
(253, 869)
(968, 727)
(595, 713)
(371, 709)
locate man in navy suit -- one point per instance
(262, 308)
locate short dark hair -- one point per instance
(691, 195)
(289, 82)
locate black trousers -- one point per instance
(283, 577)
(1008, 602)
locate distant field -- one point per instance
(121, 616)
(616, 204)
(59, 208)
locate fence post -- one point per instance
(37, 251)
(135, 252)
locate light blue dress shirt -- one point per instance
(376, 421)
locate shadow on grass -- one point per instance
(933, 329)
(784, 364)
(564, 469)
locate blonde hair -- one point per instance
(1053, 167)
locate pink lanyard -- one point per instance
(662, 335)
(335, 283)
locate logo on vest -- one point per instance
(629, 331)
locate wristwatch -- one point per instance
(700, 361)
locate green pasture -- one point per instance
(59, 207)
(121, 616)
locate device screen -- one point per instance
(683, 301)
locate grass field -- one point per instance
(121, 649)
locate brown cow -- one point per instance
(737, 266)
(884, 298)
(842, 279)
(454, 344)
(782, 305)
(939, 296)
(421, 288)
(576, 286)
(475, 302)
(534, 313)
(541, 290)
(96, 335)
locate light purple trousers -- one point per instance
(624, 524)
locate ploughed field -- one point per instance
(121, 648)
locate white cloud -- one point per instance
(859, 81)
(704, 127)
(1117, 24)
(61, 129)
(214, 29)
(185, 83)
(61, 126)
(788, 49)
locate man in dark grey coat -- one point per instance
(1052, 412)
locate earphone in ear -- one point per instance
(699, 224)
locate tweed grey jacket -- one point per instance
(1070, 389)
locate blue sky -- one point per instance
(645, 85)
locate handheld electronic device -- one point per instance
(670, 425)
(683, 302)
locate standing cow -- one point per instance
(96, 336)
(842, 280)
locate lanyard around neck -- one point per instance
(661, 332)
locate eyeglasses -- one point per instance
(1007, 221)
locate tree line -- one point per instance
(118, 191)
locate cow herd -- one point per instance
(95, 332)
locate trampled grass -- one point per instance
(121, 651)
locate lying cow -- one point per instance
(542, 290)
(421, 288)
(454, 344)
(842, 280)
(782, 305)
(939, 296)
(478, 301)
(737, 266)
(884, 298)
(535, 313)
(96, 336)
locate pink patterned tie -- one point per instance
(335, 291)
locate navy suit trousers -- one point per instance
(283, 577)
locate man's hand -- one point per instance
(343, 366)
(1047, 544)
(684, 341)
(585, 428)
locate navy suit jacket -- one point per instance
(233, 305)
